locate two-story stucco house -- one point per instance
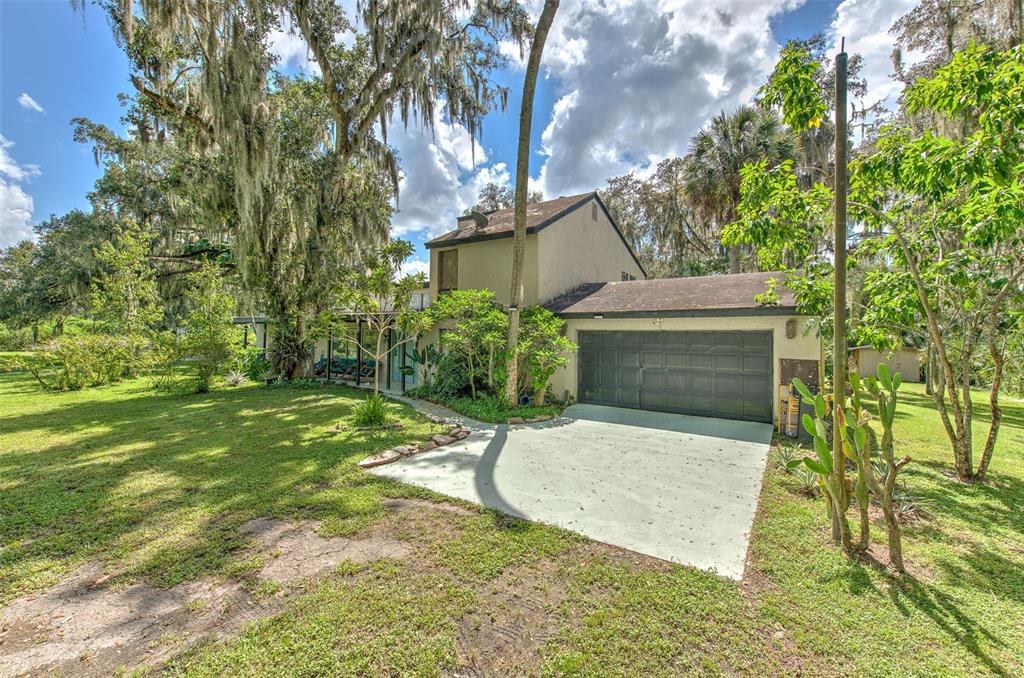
(692, 345)
(698, 345)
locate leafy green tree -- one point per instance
(124, 291)
(307, 177)
(543, 348)
(19, 300)
(946, 212)
(949, 211)
(495, 197)
(381, 297)
(669, 234)
(210, 335)
(66, 262)
(473, 327)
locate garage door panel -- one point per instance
(674, 359)
(727, 361)
(756, 385)
(700, 361)
(726, 342)
(755, 341)
(708, 373)
(629, 358)
(728, 384)
(653, 359)
(756, 363)
(629, 378)
(757, 410)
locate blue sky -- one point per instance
(626, 82)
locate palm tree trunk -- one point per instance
(540, 35)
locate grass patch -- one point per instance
(494, 410)
(387, 622)
(155, 485)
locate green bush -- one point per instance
(253, 362)
(90, 360)
(451, 379)
(166, 352)
(15, 339)
(371, 412)
(210, 336)
(496, 410)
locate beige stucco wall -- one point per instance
(574, 250)
(581, 249)
(804, 346)
(488, 265)
(906, 361)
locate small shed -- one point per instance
(905, 360)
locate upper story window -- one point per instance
(593, 211)
(448, 270)
(627, 276)
(419, 301)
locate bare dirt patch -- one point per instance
(396, 504)
(84, 627)
(515, 617)
(299, 552)
(79, 627)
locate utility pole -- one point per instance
(840, 528)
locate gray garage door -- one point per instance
(713, 374)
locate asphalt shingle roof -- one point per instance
(502, 222)
(662, 295)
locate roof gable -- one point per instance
(539, 215)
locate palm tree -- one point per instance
(720, 149)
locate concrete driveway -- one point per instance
(671, 486)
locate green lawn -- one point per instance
(155, 485)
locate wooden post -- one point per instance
(330, 352)
(839, 302)
(245, 337)
(359, 347)
(404, 357)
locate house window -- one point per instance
(448, 269)
(627, 276)
(593, 211)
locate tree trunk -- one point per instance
(946, 384)
(929, 371)
(996, 412)
(540, 35)
(734, 259)
(376, 362)
(540, 395)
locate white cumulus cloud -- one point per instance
(442, 175)
(415, 266)
(637, 78)
(28, 102)
(865, 24)
(15, 204)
